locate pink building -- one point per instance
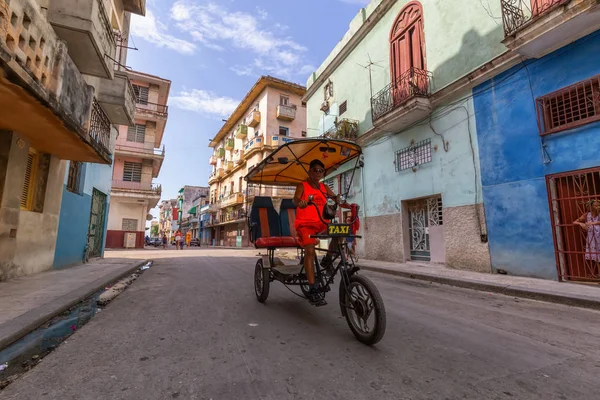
(138, 159)
(271, 114)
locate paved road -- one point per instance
(186, 330)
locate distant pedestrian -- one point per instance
(164, 241)
(188, 238)
(177, 239)
(590, 222)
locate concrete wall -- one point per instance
(513, 167)
(27, 238)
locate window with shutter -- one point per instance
(29, 182)
(136, 133)
(73, 178)
(407, 41)
(141, 93)
(343, 107)
(132, 172)
(129, 224)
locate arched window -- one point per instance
(407, 43)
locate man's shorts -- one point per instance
(305, 230)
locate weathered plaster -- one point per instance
(462, 237)
(383, 238)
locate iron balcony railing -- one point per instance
(142, 186)
(413, 83)
(345, 129)
(518, 13)
(140, 150)
(155, 108)
(99, 126)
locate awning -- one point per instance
(192, 210)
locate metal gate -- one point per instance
(422, 214)
(96, 227)
(577, 250)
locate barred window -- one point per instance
(136, 133)
(141, 94)
(132, 172)
(28, 190)
(129, 224)
(331, 184)
(343, 107)
(416, 154)
(567, 108)
(73, 179)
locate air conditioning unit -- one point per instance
(324, 106)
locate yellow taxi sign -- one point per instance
(338, 230)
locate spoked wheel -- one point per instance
(364, 309)
(262, 282)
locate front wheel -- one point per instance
(363, 309)
(262, 282)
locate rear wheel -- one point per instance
(262, 282)
(363, 309)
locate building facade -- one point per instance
(138, 159)
(400, 75)
(271, 114)
(59, 97)
(538, 126)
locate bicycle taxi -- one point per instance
(270, 229)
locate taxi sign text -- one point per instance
(338, 229)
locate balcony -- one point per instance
(157, 155)
(99, 132)
(212, 160)
(241, 132)
(229, 144)
(232, 200)
(344, 129)
(253, 119)
(534, 28)
(135, 191)
(220, 172)
(286, 113)
(118, 99)
(228, 166)
(280, 140)
(220, 152)
(254, 144)
(238, 157)
(43, 96)
(85, 26)
(152, 111)
(213, 178)
(402, 102)
(135, 6)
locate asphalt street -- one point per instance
(190, 328)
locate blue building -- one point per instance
(538, 128)
(204, 229)
(83, 213)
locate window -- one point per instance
(132, 172)
(141, 94)
(331, 184)
(283, 131)
(284, 100)
(303, 133)
(129, 224)
(573, 106)
(346, 181)
(136, 133)
(328, 90)
(407, 41)
(73, 179)
(343, 107)
(28, 191)
(414, 155)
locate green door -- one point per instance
(96, 228)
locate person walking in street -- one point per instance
(164, 241)
(177, 240)
(188, 238)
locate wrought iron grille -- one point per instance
(518, 13)
(575, 105)
(416, 154)
(577, 248)
(100, 126)
(413, 83)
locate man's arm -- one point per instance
(298, 202)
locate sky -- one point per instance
(213, 51)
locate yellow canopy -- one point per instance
(288, 165)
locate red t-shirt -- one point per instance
(309, 215)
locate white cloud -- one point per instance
(204, 102)
(242, 70)
(216, 27)
(154, 31)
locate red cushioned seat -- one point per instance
(276, 241)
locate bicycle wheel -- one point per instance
(262, 282)
(364, 309)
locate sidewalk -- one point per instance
(28, 302)
(580, 295)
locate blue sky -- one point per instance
(213, 51)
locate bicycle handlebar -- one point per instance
(310, 202)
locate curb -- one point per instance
(19, 327)
(508, 290)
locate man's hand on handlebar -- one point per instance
(302, 204)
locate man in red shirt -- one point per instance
(309, 223)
